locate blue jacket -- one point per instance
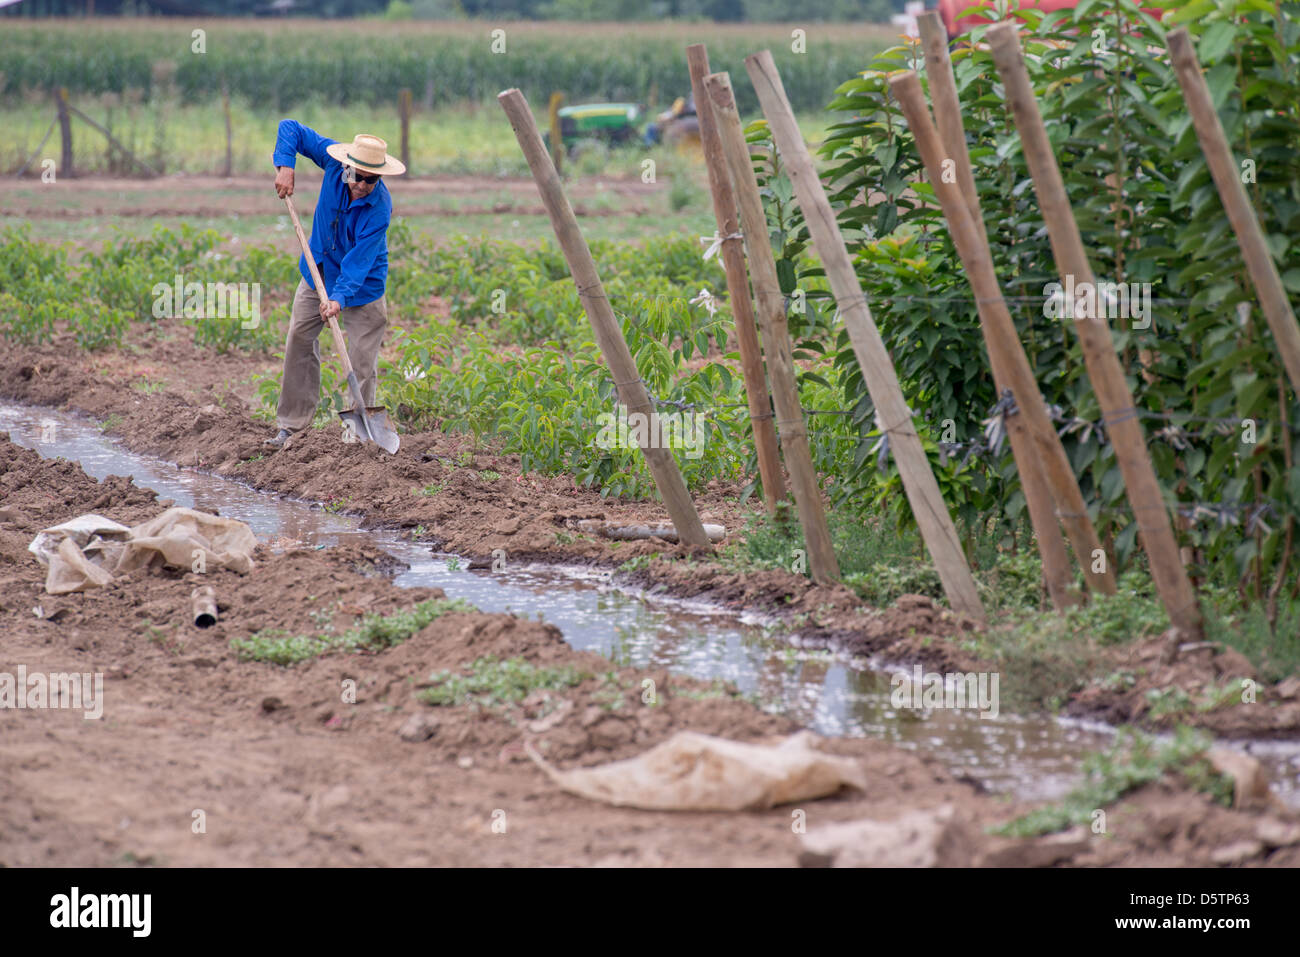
(348, 238)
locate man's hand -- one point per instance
(284, 181)
(330, 308)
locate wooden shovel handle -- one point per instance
(339, 344)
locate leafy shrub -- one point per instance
(1148, 212)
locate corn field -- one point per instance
(440, 62)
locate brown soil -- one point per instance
(201, 419)
(286, 771)
(193, 196)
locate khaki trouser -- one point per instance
(300, 390)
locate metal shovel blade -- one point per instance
(369, 424)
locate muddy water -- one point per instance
(1034, 757)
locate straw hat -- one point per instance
(368, 154)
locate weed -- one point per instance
(1135, 759)
(636, 563)
(1167, 701)
(323, 618)
(1121, 680)
(110, 423)
(610, 695)
(147, 386)
(718, 688)
(492, 683)
(1274, 649)
(1163, 702)
(374, 632)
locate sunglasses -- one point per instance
(370, 178)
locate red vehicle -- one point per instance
(949, 10)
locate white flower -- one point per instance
(706, 299)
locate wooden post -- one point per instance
(631, 390)
(895, 418)
(225, 110)
(1119, 414)
(776, 336)
(1050, 468)
(947, 105)
(65, 132)
(1227, 178)
(404, 113)
(742, 307)
(978, 264)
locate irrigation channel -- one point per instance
(1036, 757)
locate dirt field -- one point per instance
(87, 210)
(287, 773)
(201, 419)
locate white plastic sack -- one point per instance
(89, 550)
(698, 772)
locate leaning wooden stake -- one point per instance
(947, 105)
(894, 416)
(1050, 470)
(1227, 177)
(1119, 414)
(742, 307)
(110, 137)
(992, 310)
(631, 390)
(776, 335)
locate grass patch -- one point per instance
(373, 633)
(1173, 700)
(147, 386)
(1274, 651)
(1134, 760)
(633, 564)
(492, 683)
(716, 689)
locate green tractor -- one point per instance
(616, 124)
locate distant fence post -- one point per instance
(65, 132)
(404, 111)
(225, 110)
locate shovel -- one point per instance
(368, 424)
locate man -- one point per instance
(349, 233)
